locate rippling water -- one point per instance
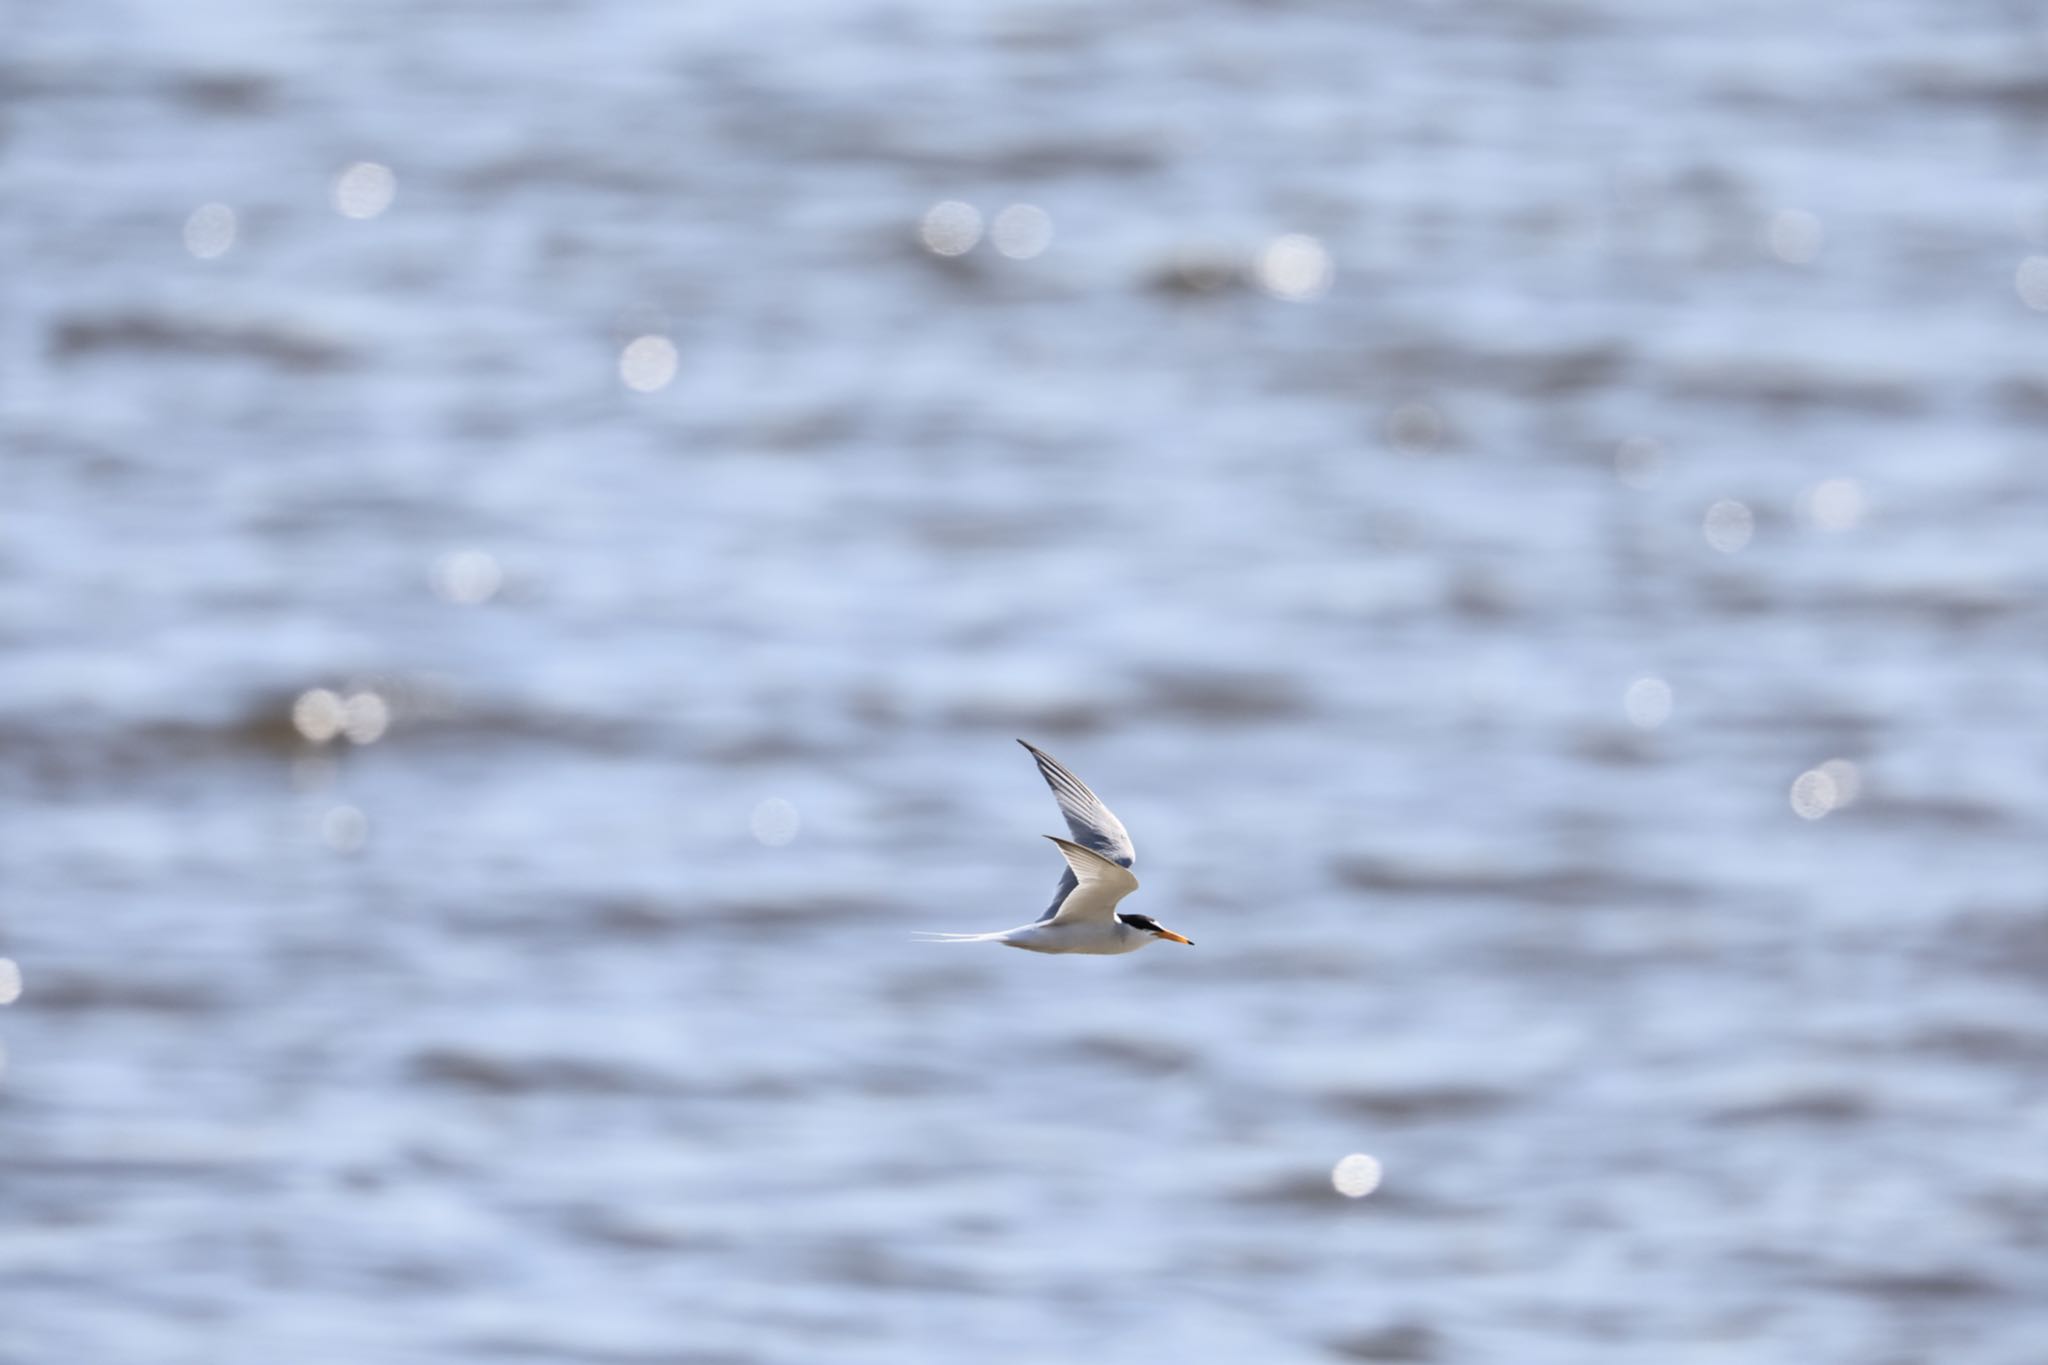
(530, 529)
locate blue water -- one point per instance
(572, 1016)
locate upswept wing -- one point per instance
(1092, 824)
(1098, 885)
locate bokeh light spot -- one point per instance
(1647, 702)
(2032, 283)
(1847, 779)
(10, 981)
(364, 189)
(210, 231)
(648, 364)
(345, 829)
(1021, 231)
(1813, 794)
(467, 578)
(317, 715)
(365, 717)
(950, 228)
(1294, 267)
(1638, 461)
(1837, 504)
(774, 822)
(1795, 236)
(1729, 525)
(1356, 1176)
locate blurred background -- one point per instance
(529, 531)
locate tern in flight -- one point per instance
(1083, 917)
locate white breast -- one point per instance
(1088, 936)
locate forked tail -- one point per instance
(996, 937)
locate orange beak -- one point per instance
(1172, 937)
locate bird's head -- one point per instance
(1145, 924)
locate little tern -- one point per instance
(1083, 917)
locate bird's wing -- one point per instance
(1098, 885)
(1092, 824)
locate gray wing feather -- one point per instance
(1092, 824)
(1059, 894)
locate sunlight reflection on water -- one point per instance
(210, 231)
(501, 766)
(1356, 1176)
(364, 189)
